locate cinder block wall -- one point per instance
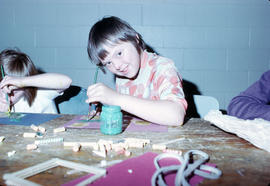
(220, 47)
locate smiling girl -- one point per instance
(147, 85)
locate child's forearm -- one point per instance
(47, 80)
(162, 112)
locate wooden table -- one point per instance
(241, 163)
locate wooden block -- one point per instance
(179, 152)
(2, 138)
(60, 129)
(29, 135)
(118, 148)
(31, 147)
(159, 146)
(34, 127)
(77, 147)
(127, 153)
(93, 145)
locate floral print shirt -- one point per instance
(158, 79)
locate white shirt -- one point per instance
(43, 103)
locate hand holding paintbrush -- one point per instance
(89, 113)
(3, 75)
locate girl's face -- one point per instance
(123, 59)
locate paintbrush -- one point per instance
(90, 104)
(3, 75)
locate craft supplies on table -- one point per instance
(140, 170)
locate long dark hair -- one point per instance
(16, 63)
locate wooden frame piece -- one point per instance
(18, 178)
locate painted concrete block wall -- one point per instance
(221, 47)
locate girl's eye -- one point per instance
(119, 53)
(108, 63)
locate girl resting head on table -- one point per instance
(27, 90)
(147, 85)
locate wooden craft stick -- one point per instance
(50, 140)
(18, 178)
(93, 145)
(2, 138)
(60, 129)
(29, 135)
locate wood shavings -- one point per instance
(255, 131)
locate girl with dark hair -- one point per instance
(27, 90)
(147, 85)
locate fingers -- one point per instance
(94, 93)
(3, 97)
(10, 82)
(101, 93)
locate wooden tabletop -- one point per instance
(241, 163)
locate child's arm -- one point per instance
(55, 81)
(163, 112)
(3, 102)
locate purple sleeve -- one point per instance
(253, 102)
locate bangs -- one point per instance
(17, 69)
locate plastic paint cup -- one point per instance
(111, 119)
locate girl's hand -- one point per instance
(3, 102)
(8, 84)
(101, 93)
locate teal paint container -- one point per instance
(111, 119)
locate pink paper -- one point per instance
(142, 168)
(134, 124)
